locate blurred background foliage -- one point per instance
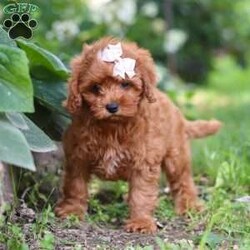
(185, 35)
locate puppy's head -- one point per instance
(96, 86)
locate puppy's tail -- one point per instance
(201, 128)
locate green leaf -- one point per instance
(38, 141)
(15, 83)
(17, 120)
(51, 95)
(4, 38)
(48, 240)
(43, 64)
(14, 148)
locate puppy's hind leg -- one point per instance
(177, 166)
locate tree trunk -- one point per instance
(169, 20)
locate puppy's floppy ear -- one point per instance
(146, 67)
(74, 101)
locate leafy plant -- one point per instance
(47, 243)
(16, 241)
(30, 76)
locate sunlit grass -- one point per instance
(224, 159)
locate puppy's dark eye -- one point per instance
(125, 85)
(95, 88)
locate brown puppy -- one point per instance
(124, 128)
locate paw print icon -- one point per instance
(20, 26)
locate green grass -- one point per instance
(225, 159)
(221, 166)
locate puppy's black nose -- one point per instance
(112, 107)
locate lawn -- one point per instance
(223, 161)
(222, 173)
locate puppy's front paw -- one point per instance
(141, 225)
(65, 208)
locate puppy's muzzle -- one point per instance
(112, 107)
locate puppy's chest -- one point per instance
(112, 163)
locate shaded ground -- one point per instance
(102, 228)
(85, 235)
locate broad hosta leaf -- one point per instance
(43, 64)
(51, 95)
(15, 83)
(17, 120)
(14, 148)
(4, 38)
(38, 141)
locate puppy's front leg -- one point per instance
(75, 191)
(143, 191)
